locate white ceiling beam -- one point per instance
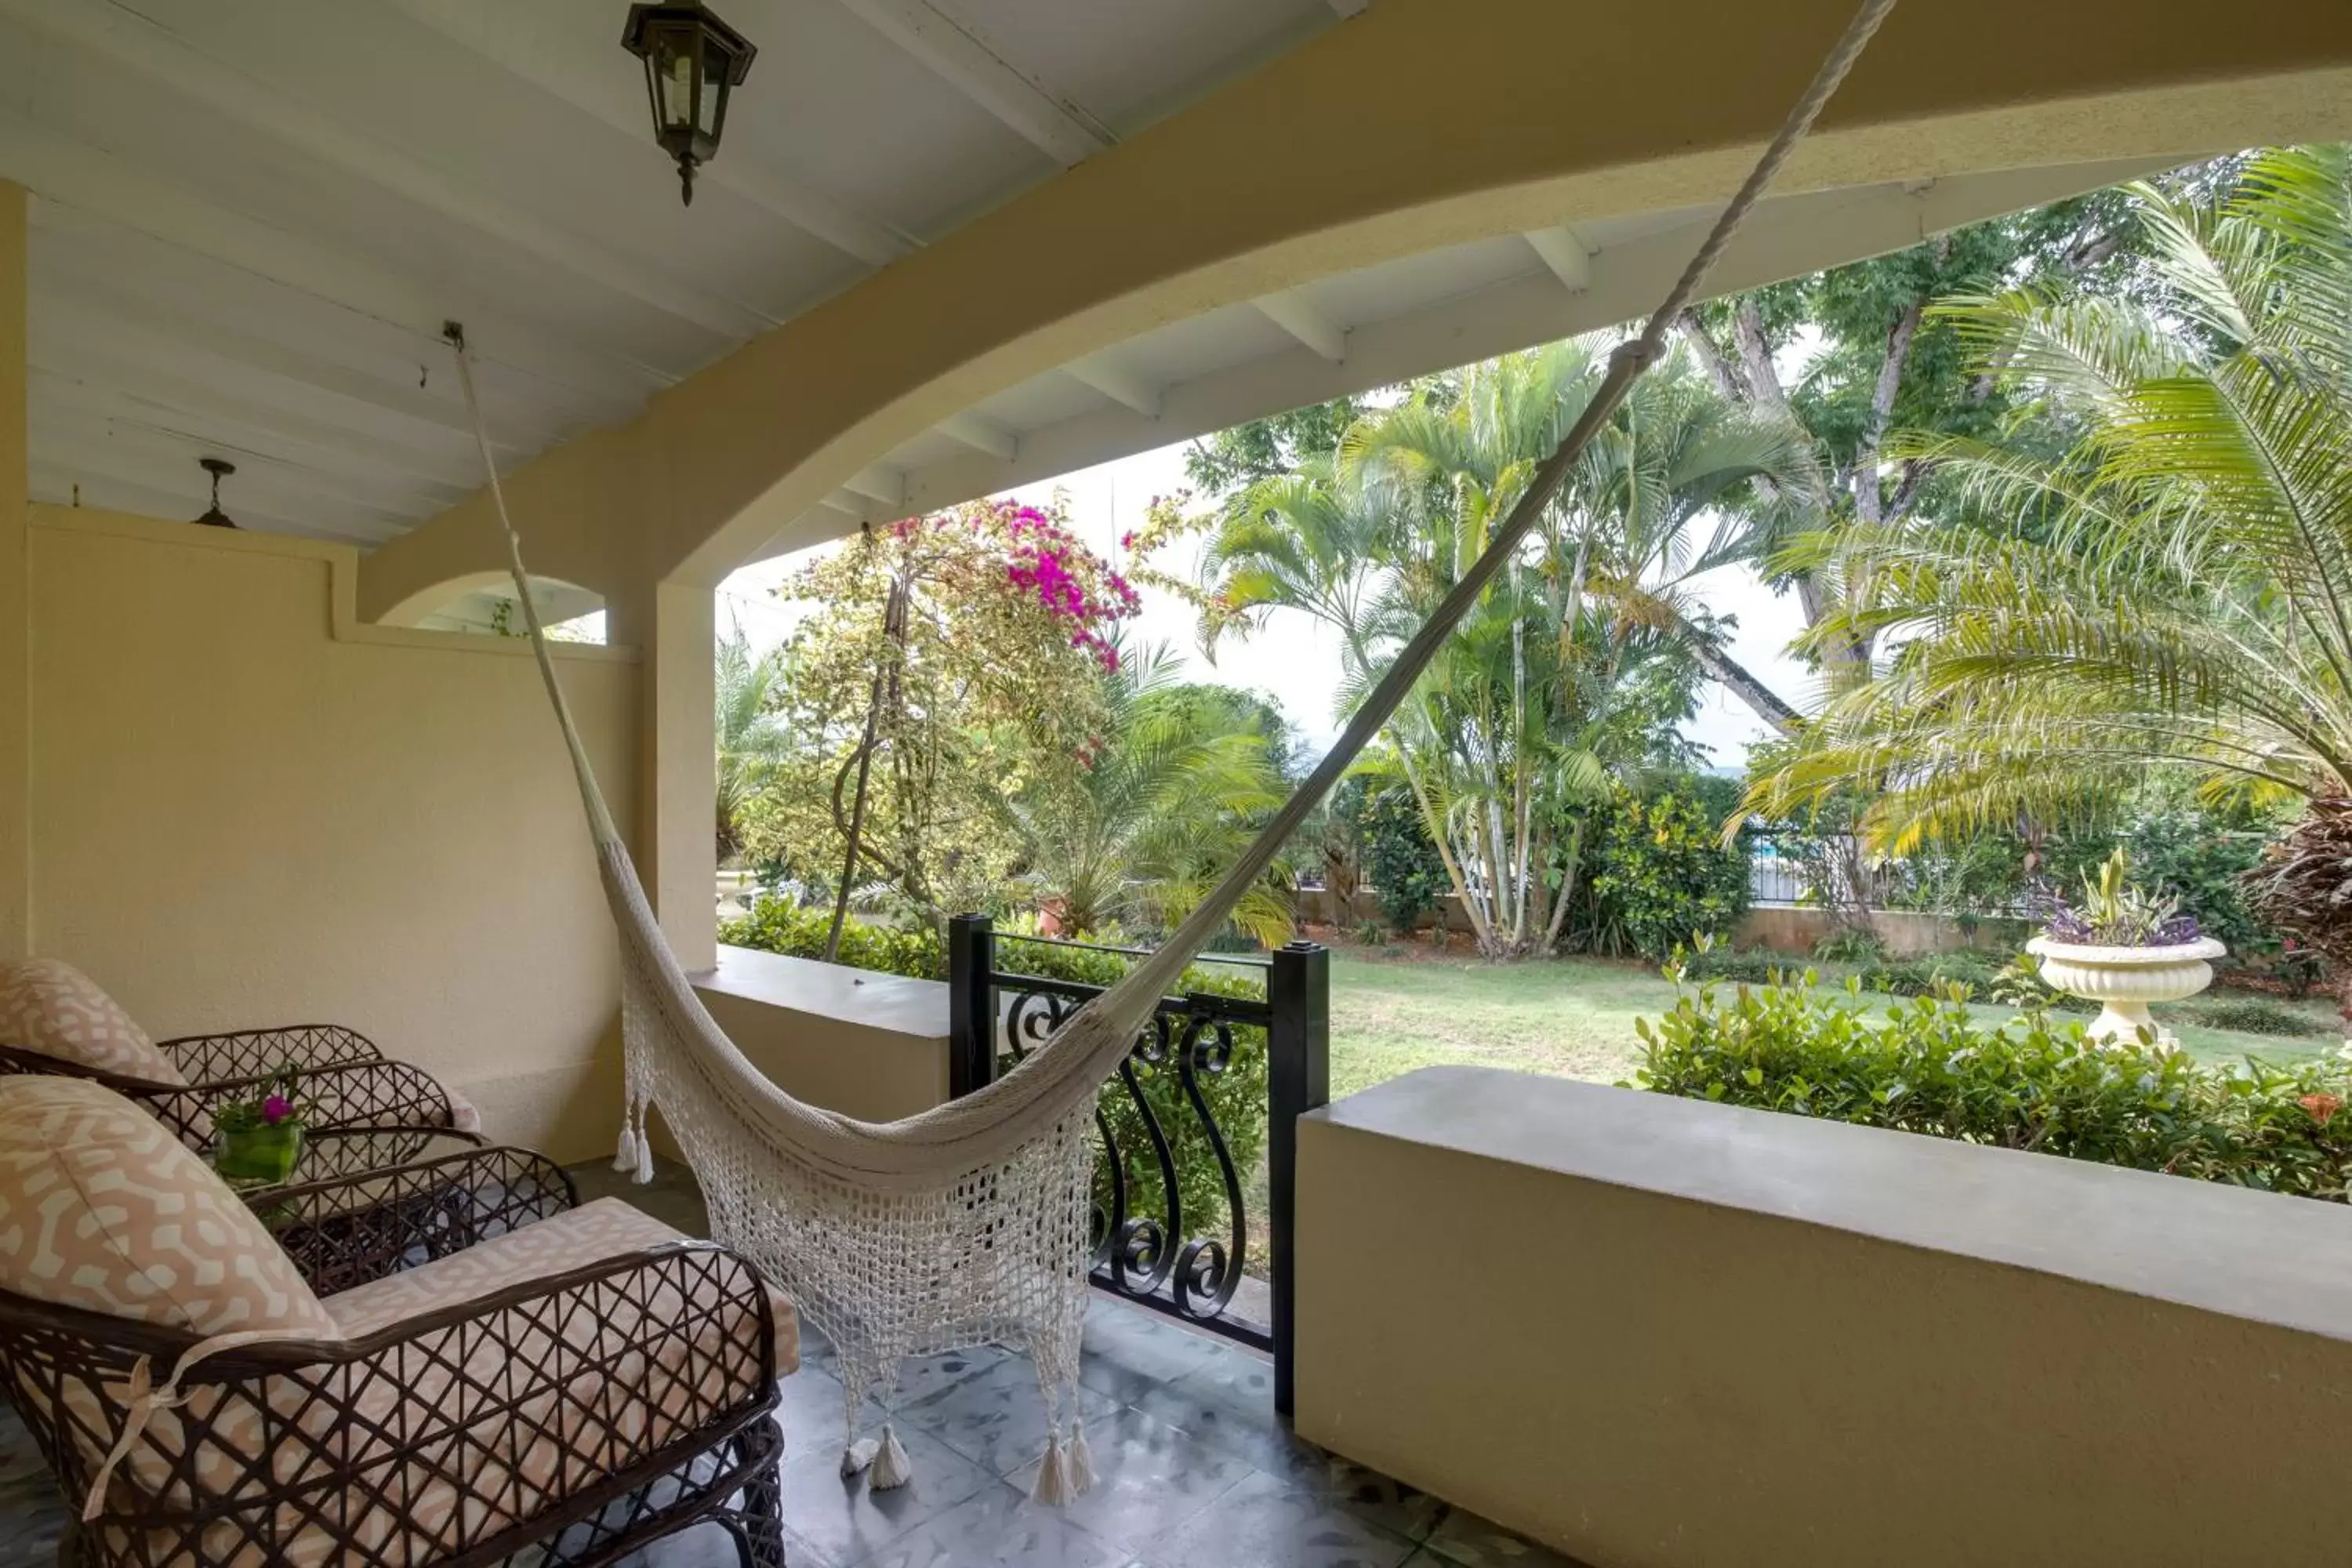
(104, 311)
(103, 438)
(471, 24)
(359, 433)
(880, 483)
(89, 460)
(59, 484)
(122, 35)
(280, 437)
(1564, 251)
(1787, 237)
(1116, 381)
(1050, 124)
(76, 176)
(1303, 319)
(981, 435)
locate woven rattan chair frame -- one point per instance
(318, 1455)
(349, 1090)
(367, 1221)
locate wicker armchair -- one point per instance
(56, 1019)
(581, 1380)
(352, 1083)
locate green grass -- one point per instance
(1574, 1018)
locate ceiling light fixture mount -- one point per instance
(219, 469)
(692, 61)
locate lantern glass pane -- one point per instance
(715, 62)
(678, 61)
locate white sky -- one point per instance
(1294, 659)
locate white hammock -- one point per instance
(968, 1224)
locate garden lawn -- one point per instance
(1574, 1018)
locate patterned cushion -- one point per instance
(606, 1228)
(50, 1006)
(103, 1209)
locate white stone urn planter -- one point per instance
(2126, 979)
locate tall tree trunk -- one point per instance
(893, 634)
(1741, 683)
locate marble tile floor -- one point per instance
(1193, 1470)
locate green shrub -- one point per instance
(779, 925)
(1662, 873)
(1846, 945)
(1917, 976)
(2251, 1016)
(1400, 861)
(1723, 964)
(1925, 973)
(1236, 1097)
(1927, 1065)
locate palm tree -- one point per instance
(1137, 829)
(2157, 568)
(1550, 684)
(751, 741)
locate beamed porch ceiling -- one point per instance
(251, 218)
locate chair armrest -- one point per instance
(347, 1230)
(246, 1053)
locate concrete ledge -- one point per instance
(868, 1045)
(1655, 1331)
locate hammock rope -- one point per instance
(967, 1222)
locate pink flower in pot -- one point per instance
(275, 1109)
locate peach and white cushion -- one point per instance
(48, 1005)
(606, 1228)
(103, 1209)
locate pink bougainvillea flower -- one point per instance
(2323, 1107)
(277, 1109)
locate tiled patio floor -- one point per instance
(1194, 1470)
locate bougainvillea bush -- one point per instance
(1928, 1065)
(974, 641)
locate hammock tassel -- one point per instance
(1054, 1488)
(624, 1160)
(891, 1466)
(1082, 1461)
(859, 1454)
(644, 1172)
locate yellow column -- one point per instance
(15, 596)
(676, 844)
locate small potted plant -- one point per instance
(2124, 949)
(258, 1140)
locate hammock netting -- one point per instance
(968, 1224)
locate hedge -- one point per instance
(1927, 1065)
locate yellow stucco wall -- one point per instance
(1655, 1332)
(246, 809)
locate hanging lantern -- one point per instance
(692, 60)
(219, 469)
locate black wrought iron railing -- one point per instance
(1198, 1176)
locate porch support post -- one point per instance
(15, 596)
(675, 842)
(1298, 1079)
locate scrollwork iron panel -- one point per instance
(1155, 1253)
